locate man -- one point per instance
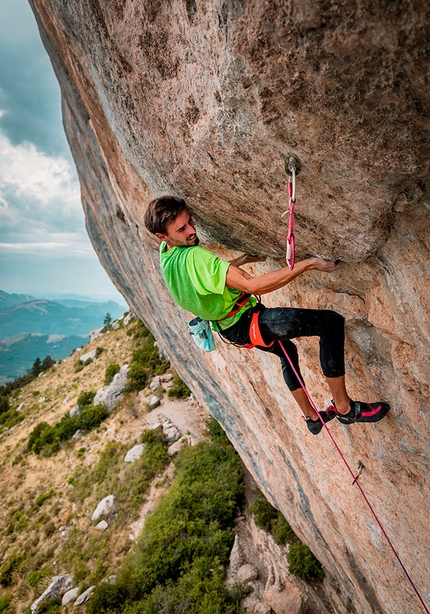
(221, 292)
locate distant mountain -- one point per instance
(8, 300)
(51, 318)
(18, 353)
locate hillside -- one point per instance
(51, 318)
(45, 514)
(18, 353)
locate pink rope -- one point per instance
(355, 481)
(291, 251)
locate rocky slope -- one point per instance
(203, 100)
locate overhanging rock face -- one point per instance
(202, 99)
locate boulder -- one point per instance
(154, 402)
(108, 396)
(247, 573)
(128, 318)
(135, 453)
(116, 325)
(88, 356)
(95, 333)
(290, 600)
(85, 596)
(69, 596)
(156, 383)
(78, 435)
(75, 411)
(102, 525)
(58, 587)
(106, 507)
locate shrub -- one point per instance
(9, 567)
(5, 602)
(48, 438)
(111, 370)
(41, 500)
(302, 563)
(4, 404)
(36, 577)
(145, 363)
(179, 389)
(85, 398)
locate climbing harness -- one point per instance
(292, 168)
(356, 480)
(255, 335)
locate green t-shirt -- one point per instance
(195, 277)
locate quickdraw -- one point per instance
(292, 168)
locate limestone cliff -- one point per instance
(202, 99)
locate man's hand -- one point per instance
(327, 266)
(246, 259)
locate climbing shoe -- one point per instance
(364, 412)
(315, 426)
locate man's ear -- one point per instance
(160, 236)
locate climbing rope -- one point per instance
(356, 480)
(292, 168)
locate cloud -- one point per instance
(39, 197)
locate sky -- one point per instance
(44, 246)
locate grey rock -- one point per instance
(78, 435)
(156, 383)
(88, 356)
(66, 400)
(85, 596)
(59, 585)
(154, 402)
(167, 377)
(75, 411)
(20, 407)
(128, 318)
(102, 526)
(104, 508)
(70, 596)
(95, 333)
(108, 396)
(116, 325)
(135, 453)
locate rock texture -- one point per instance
(202, 99)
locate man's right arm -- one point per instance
(238, 279)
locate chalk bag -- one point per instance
(201, 332)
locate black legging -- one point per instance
(286, 323)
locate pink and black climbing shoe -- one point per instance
(315, 426)
(364, 412)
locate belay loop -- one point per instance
(292, 167)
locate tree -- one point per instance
(108, 320)
(47, 363)
(36, 368)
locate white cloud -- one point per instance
(39, 200)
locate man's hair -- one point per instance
(161, 212)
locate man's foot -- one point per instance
(315, 426)
(363, 412)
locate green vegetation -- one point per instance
(111, 370)
(301, 561)
(46, 439)
(146, 360)
(4, 603)
(9, 567)
(178, 564)
(179, 389)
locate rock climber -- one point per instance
(221, 292)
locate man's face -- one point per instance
(181, 232)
